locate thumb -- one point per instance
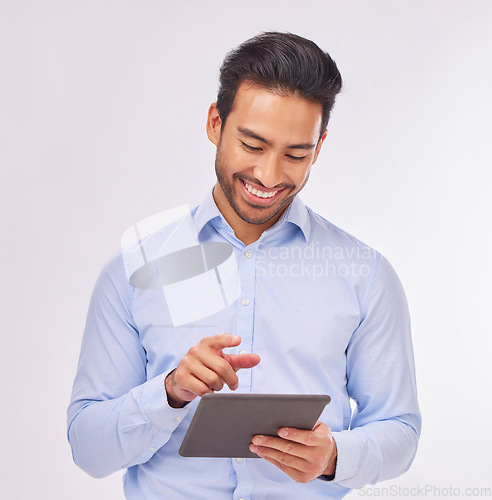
(322, 429)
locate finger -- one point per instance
(322, 429)
(210, 378)
(286, 458)
(200, 388)
(302, 463)
(191, 388)
(213, 369)
(281, 460)
(279, 445)
(239, 361)
(284, 464)
(297, 475)
(308, 438)
(221, 341)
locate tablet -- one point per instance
(224, 424)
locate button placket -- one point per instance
(245, 308)
(244, 328)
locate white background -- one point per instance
(102, 121)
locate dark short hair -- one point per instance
(282, 62)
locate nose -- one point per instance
(268, 170)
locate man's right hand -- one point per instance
(205, 368)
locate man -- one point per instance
(319, 313)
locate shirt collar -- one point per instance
(296, 213)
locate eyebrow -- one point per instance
(249, 133)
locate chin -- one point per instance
(259, 215)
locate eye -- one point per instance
(250, 148)
(296, 158)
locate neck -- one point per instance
(244, 231)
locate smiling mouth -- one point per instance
(259, 194)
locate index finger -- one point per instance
(221, 340)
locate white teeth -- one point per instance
(260, 194)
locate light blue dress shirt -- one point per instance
(326, 314)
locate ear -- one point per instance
(318, 146)
(214, 124)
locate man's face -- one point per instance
(264, 151)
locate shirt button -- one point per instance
(178, 419)
(152, 449)
(243, 351)
(239, 460)
(245, 301)
(248, 254)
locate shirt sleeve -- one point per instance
(117, 418)
(385, 427)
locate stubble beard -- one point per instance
(230, 193)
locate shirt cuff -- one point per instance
(348, 454)
(154, 404)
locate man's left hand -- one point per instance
(303, 455)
